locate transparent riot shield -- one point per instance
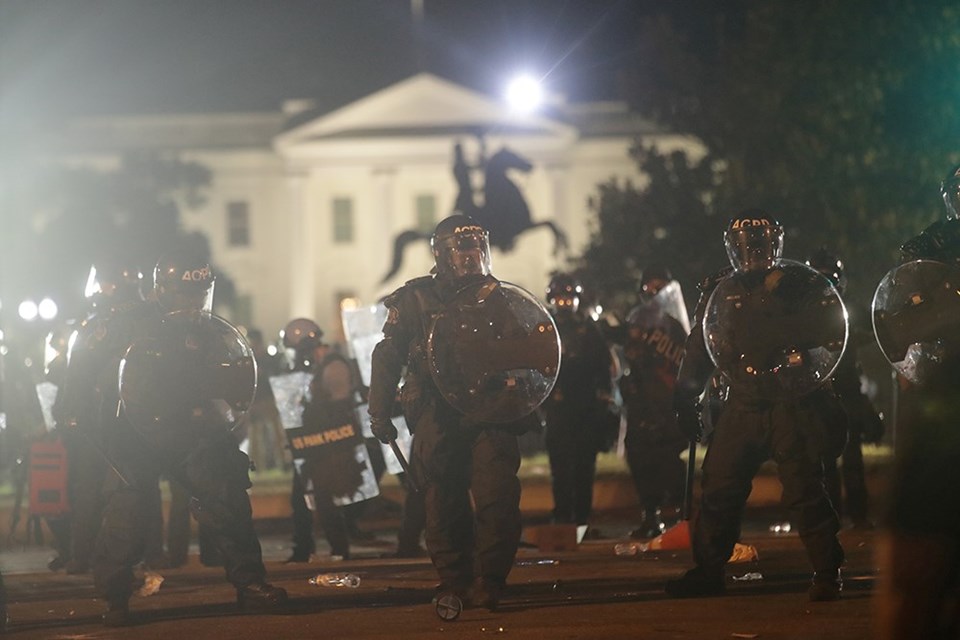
(916, 317)
(667, 303)
(195, 370)
(494, 353)
(289, 392)
(367, 487)
(363, 328)
(776, 334)
(346, 466)
(47, 395)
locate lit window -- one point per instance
(343, 300)
(342, 220)
(238, 224)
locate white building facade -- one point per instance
(303, 208)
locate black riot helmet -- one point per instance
(654, 278)
(301, 334)
(461, 248)
(830, 265)
(112, 282)
(301, 337)
(183, 280)
(950, 191)
(754, 240)
(564, 293)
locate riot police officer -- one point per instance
(862, 421)
(300, 338)
(656, 330)
(113, 287)
(941, 240)
(199, 453)
(578, 422)
(453, 458)
(331, 403)
(752, 428)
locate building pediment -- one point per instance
(423, 105)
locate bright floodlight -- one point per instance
(47, 309)
(28, 310)
(524, 94)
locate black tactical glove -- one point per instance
(383, 429)
(688, 419)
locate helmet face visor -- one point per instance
(650, 288)
(185, 298)
(754, 248)
(462, 255)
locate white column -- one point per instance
(558, 176)
(302, 245)
(384, 180)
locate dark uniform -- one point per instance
(85, 404)
(300, 337)
(653, 349)
(326, 471)
(453, 459)
(578, 420)
(921, 565)
(332, 404)
(749, 431)
(204, 457)
(919, 569)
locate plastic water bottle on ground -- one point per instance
(628, 548)
(349, 580)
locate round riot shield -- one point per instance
(916, 317)
(194, 370)
(494, 352)
(777, 334)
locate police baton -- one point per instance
(404, 465)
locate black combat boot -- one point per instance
(260, 595)
(485, 593)
(117, 614)
(697, 583)
(826, 586)
(651, 525)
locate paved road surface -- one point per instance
(587, 593)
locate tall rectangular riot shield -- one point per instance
(329, 448)
(363, 328)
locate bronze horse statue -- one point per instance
(504, 213)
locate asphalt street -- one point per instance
(589, 592)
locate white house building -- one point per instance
(304, 203)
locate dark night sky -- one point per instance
(62, 57)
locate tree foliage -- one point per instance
(839, 117)
(70, 217)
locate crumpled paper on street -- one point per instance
(151, 584)
(743, 553)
